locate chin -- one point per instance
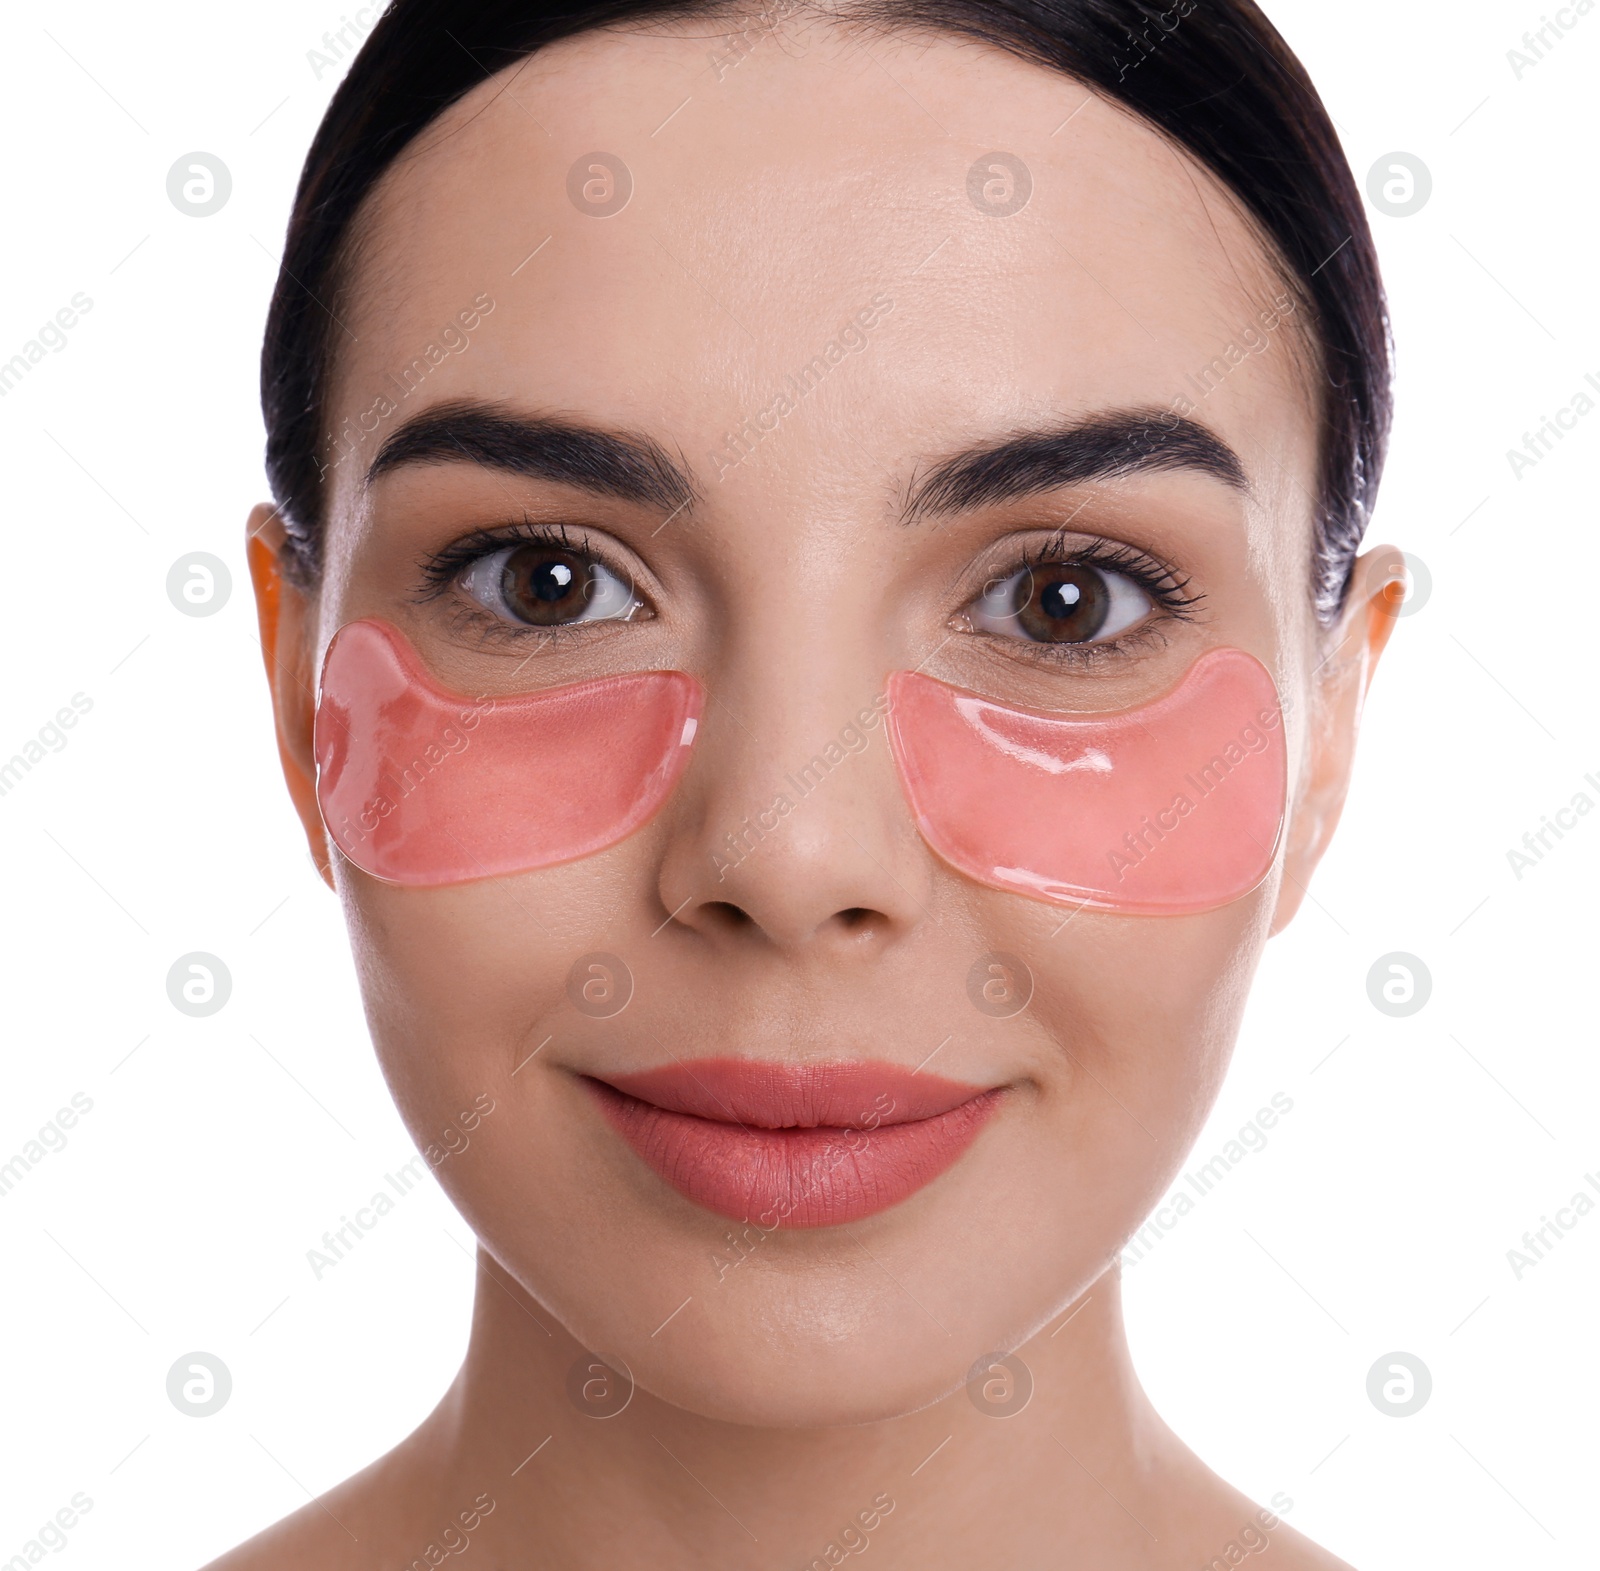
(811, 1328)
(790, 1357)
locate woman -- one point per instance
(841, 533)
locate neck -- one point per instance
(1084, 1467)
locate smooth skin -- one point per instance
(778, 1397)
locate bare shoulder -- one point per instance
(338, 1531)
(298, 1540)
(1241, 1531)
(1213, 1526)
(1290, 1550)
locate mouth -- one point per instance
(793, 1145)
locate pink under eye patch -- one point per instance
(1170, 808)
(422, 786)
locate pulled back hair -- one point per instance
(1212, 75)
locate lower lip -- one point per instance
(807, 1173)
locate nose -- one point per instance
(792, 831)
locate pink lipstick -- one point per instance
(793, 1145)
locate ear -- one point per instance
(1338, 690)
(284, 616)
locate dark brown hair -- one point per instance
(1212, 75)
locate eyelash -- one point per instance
(440, 568)
(1166, 587)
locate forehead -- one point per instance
(965, 240)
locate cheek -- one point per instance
(1165, 810)
(1132, 1023)
(445, 970)
(1161, 996)
(461, 983)
(422, 787)
(1124, 1045)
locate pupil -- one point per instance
(550, 581)
(545, 587)
(1060, 600)
(1066, 605)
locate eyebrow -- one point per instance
(1102, 446)
(635, 468)
(624, 464)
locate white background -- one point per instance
(179, 1214)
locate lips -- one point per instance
(793, 1145)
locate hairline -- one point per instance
(356, 252)
(1341, 496)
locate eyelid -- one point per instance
(1120, 586)
(442, 568)
(1151, 633)
(1167, 585)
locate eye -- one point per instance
(543, 585)
(1061, 603)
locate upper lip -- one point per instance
(764, 1094)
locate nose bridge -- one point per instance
(802, 735)
(811, 758)
(796, 817)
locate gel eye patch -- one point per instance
(1170, 808)
(1167, 809)
(421, 786)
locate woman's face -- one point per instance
(795, 196)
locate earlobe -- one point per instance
(1338, 690)
(281, 617)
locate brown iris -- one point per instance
(546, 586)
(1065, 604)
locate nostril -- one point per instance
(725, 915)
(857, 917)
